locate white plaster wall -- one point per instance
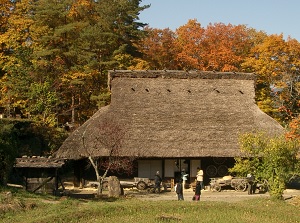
(148, 168)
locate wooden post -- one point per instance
(56, 181)
(172, 184)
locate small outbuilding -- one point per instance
(40, 174)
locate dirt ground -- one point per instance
(206, 195)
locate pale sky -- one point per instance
(271, 16)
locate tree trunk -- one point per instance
(99, 178)
(73, 109)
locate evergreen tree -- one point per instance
(76, 43)
(58, 54)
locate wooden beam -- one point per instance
(62, 185)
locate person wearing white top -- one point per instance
(200, 177)
(184, 176)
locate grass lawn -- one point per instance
(20, 206)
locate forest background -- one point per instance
(55, 55)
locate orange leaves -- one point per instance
(158, 48)
(188, 42)
(294, 132)
(225, 46)
(219, 47)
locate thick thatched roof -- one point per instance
(176, 114)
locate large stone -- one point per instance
(114, 187)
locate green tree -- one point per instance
(42, 103)
(75, 48)
(66, 46)
(8, 151)
(269, 158)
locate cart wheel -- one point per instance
(241, 186)
(141, 185)
(211, 171)
(216, 187)
(222, 170)
(263, 188)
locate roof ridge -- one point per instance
(177, 74)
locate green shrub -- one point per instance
(273, 159)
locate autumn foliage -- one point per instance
(55, 56)
(218, 47)
(294, 127)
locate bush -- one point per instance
(8, 151)
(268, 158)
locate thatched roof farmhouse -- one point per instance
(176, 115)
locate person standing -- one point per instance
(251, 185)
(200, 177)
(184, 177)
(197, 191)
(157, 182)
(179, 190)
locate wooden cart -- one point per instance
(239, 184)
(140, 183)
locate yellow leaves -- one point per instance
(276, 62)
(139, 64)
(78, 6)
(69, 76)
(266, 106)
(253, 143)
(271, 56)
(18, 26)
(5, 8)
